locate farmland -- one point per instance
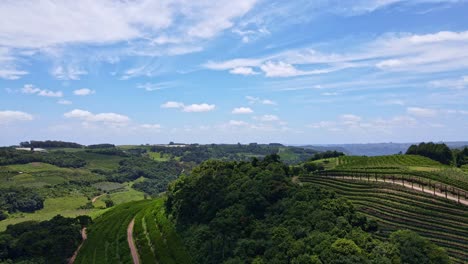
(394, 207)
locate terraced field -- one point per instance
(442, 221)
(107, 237)
(156, 238)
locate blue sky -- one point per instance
(295, 72)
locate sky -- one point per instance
(293, 72)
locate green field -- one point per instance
(156, 238)
(100, 161)
(440, 220)
(107, 237)
(159, 156)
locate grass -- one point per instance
(394, 207)
(100, 161)
(107, 237)
(159, 156)
(38, 174)
(65, 206)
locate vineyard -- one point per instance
(440, 220)
(417, 169)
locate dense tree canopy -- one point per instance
(50, 241)
(49, 144)
(327, 154)
(438, 152)
(251, 212)
(58, 158)
(21, 199)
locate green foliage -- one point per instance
(461, 157)
(327, 154)
(49, 144)
(438, 152)
(250, 212)
(415, 249)
(20, 199)
(134, 168)
(100, 146)
(107, 236)
(58, 158)
(35, 242)
(151, 186)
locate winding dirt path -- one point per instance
(97, 197)
(414, 187)
(83, 237)
(131, 243)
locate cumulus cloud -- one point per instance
(83, 92)
(9, 116)
(199, 107)
(31, 89)
(237, 123)
(172, 104)
(204, 107)
(243, 71)
(242, 110)
(105, 118)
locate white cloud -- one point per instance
(243, 71)
(389, 52)
(151, 126)
(83, 92)
(31, 89)
(460, 83)
(199, 107)
(266, 118)
(254, 100)
(11, 74)
(8, 116)
(68, 73)
(421, 112)
(105, 118)
(279, 69)
(189, 108)
(155, 86)
(242, 110)
(64, 102)
(172, 104)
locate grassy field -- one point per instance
(100, 161)
(38, 174)
(442, 221)
(159, 156)
(65, 206)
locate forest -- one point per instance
(250, 212)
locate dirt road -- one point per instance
(413, 187)
(131, 243)
(83, 237)
(95, 198)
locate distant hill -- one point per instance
(375, 149)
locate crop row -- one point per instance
(107, 237)
(399, 193)
(157, 240)
(389, 209)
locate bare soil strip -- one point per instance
(131, 243)
(95, 198)
(84, 237)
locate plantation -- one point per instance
(156, 237)
(443, 222)
(107, 237)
